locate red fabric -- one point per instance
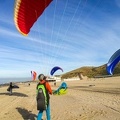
(34, 75)
(28, 12)
(48, 87)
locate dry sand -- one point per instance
(95, 99)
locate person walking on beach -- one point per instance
(43, 102)
(10, 88)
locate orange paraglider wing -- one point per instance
(26, 12)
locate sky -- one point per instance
(69, 34)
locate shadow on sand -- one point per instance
(78, 87)
(26, 115)
(91, 88)
(102, 90)
(15, 94)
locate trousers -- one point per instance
(40, 113)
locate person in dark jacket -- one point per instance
(10, 88)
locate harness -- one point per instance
(45, 91)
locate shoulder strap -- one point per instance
(45, 88)
(47, 94)
(41, 84)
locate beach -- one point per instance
(91, 99)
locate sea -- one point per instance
(8, 80)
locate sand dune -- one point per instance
(95, 99)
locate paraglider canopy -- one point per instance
(62, 89)
(33, 75)
(63, 85)
(115, 58)
(26, 13)
(54, 69)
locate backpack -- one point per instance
(42, 96)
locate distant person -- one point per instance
(10, 88)
(43, 91)
(55, 83)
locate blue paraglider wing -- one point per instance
(115, 58)
(55, 69)
(63, 85)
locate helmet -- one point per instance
(41, 77)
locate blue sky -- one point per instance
(69, 34)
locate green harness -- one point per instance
(42, 96)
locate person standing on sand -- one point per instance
(47, 90)
(10, 88)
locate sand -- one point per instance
(93, 99)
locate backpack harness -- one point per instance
(42, 96)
